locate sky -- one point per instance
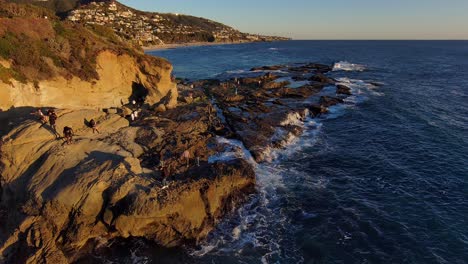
(328, 19)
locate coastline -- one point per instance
(190, 44)
(194, 44)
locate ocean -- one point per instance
(383, 178)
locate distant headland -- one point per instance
(149, 29)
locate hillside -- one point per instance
(147, 28)
(44, 59)
(57, 6)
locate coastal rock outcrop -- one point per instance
(45, 62)
(170, 176)
(120, 76)
(266, 111)
(61, 199)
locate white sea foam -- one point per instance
(236, 72)
(293, 118)
(360, 89)
(233, 149)
(261, 223)
(347, 66)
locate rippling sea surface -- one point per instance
(382, 179)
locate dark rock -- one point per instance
(299, 78)
(322, 79)
(268, 68)
(327, 101)
(342, 89)
(317, 110)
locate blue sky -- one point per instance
(329, 19)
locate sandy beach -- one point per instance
(183, 45)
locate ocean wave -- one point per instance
(360, 88)
(261, 224)
(233, 149)
(347, 66)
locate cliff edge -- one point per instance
(48, 62)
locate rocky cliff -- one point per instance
(47, 62)
(59, 201)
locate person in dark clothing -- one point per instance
(68, 134)
(52, 121)
(166, 173)
(93, 125)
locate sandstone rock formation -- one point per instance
(57, 200)
(120, 76)
(50, 63)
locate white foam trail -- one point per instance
(233, 149)
(236, 72)
(359, 89)
(347, 66)
(293, 118)
(261, 223)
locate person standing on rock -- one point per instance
(166, 173)
(68, 134)
(186, 156)
(93, 125)
(52, 121)
(41, 116)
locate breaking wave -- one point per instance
(263, 227)
(347, 66)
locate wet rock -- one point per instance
(327, 101)
(311, 67)
(317, 110)
(322, 79)
(342, 89)
(268, 68)
(275, 85)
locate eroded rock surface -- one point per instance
(59, 199)
(266, 111)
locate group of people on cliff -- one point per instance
(68, 133)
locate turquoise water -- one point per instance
(382, 179)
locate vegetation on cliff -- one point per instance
(36, 45)
(146, 28)
(152, 28)
(57, 6)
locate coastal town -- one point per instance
(150, 29)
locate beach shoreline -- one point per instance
(191, 44)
